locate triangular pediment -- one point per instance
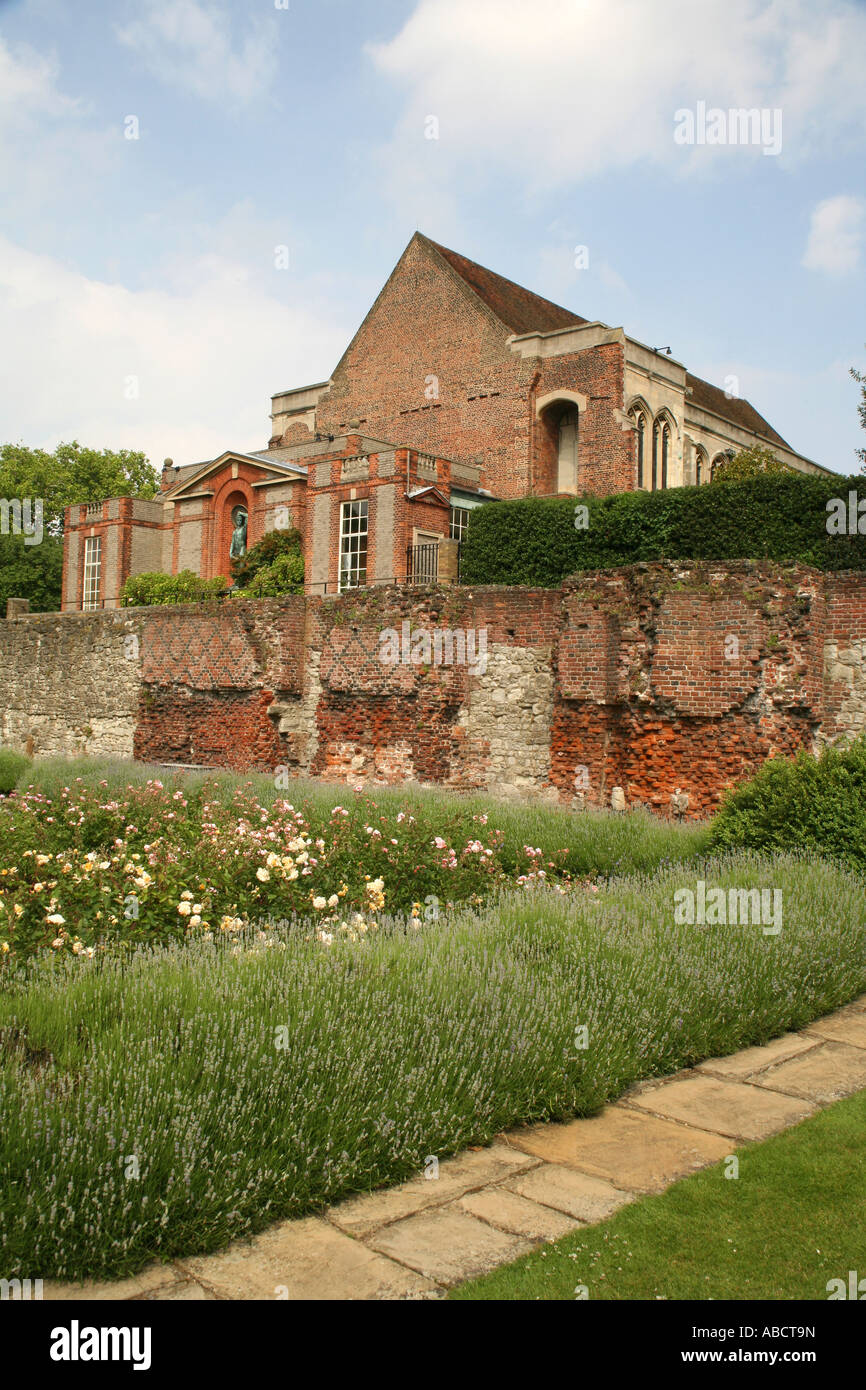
(197, 480)
(428, 492)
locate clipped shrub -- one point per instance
(264, 554)
(12, 767)
(818, 804)
(781, 517)
(284, 576)
(142, 590)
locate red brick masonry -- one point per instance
(652, 677)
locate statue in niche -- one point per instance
(238, 546)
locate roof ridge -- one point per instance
(519, 309)
(735, 409)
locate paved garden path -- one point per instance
(490, 1205)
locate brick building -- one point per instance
(459, 387)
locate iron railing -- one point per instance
(422, 563)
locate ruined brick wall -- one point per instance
(209, 675)
(188, 684)
(845, 655)
(652, 678)
(468, 723)
(686, 677)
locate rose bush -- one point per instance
(89, 866)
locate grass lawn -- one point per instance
(793, 1219)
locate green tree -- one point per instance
(749, 463)
(61, 478)
(72, 474)
(33, 572)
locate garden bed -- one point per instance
(165, 1100)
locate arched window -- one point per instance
(640, 445)
(717, 462)
(702, 471)
(655, 469)
(661, 452)
(569, 424)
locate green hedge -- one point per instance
(284, 576)
(535, 541)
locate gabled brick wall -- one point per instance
(431, 367)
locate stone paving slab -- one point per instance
(184, 1291)
(729, 1108)
(152, 1277)
(448, 1245)
(752, 1060)
(490, 1206)
(580, 1195)
(303, 1260)
(829, 1073)
(636, 1150)
(517, 1215)
(472, 1169)
(848, 1028)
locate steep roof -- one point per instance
(709, 397)
(524, 312)
(519, 309)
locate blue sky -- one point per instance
(141, 303)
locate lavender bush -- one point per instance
(164, 1101)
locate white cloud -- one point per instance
(836, 235)
(28, 84)
(47, 145)
(190, 45)
(206, 358)
(592, 85)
